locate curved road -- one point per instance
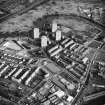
(72, 16)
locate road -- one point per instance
(88, 75)
(71, 16)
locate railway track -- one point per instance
(21, 11)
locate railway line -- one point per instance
(21, 11)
